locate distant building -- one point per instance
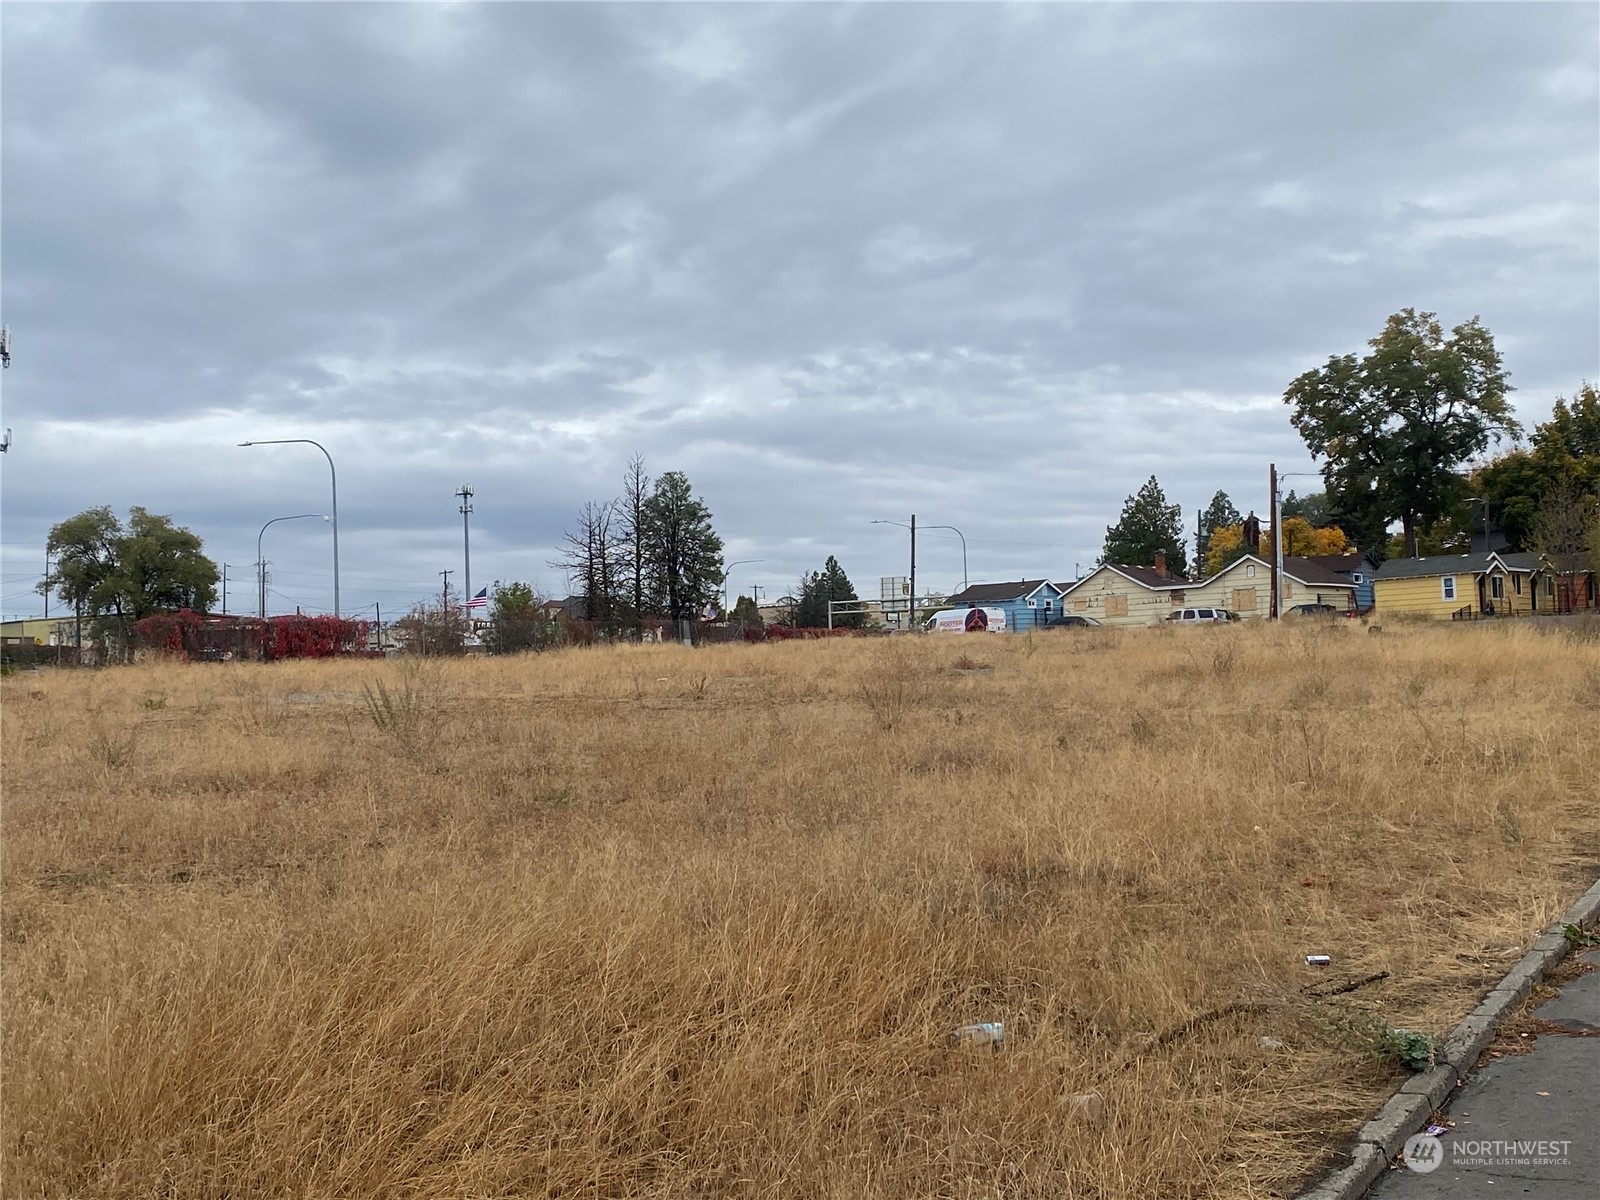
(1028, 603)
(1119, 594)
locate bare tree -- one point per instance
(635, 514)
(593, 555)
(1563, 534)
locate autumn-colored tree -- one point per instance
(1300, 538)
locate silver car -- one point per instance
(1199, 616)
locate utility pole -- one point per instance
(911, 602)
(466, 493)
(1277, 536)
(224, 589)
(47, 588)
(444, 594)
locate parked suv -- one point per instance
(1200, 616)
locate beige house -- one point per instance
(1115, 594)
(1245, 587)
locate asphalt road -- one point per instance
(1551, 1095)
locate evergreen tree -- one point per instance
(1148, 524)
(836, 586)
(684, 553)
(1218, 514)
(746, 612)
(1313, 506)
(810, 609)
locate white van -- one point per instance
(966, 620)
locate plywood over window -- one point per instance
(1244, 599)
(1116, 606)
(1079, 603)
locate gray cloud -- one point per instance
(994, 265)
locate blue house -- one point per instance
(1352, 568)
(1028, 603)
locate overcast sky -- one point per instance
(993, 265)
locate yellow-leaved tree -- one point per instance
(1300, 537)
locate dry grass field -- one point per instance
(654, 922)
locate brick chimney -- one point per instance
(1161, 563)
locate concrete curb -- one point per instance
(1407, 1111)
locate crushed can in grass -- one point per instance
(990, 1033)
(1319, 960)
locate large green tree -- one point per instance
(1564, 453)
(118, 573)
(1148, 524)
(1392, 428)
(683, 550)
(1219, 514)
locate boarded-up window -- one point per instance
(1177, 598)
(1116, 606)
(1079, 603)
(1244, 599)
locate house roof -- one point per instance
(1456, 564)
(1338, 563)
(1145, 577)
(998, 593)
(1311, 570)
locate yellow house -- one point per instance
(1464, 586)
(1115, 594)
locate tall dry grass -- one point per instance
(671, 923)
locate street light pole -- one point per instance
(334, 477)
(466, 493)
(261, 565)
(728, 574)
(963, 538)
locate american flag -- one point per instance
(481, 600)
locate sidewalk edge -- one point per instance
(1408, 1109)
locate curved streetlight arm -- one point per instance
(952, 529)
(333, 475)
(963, 538)
(727, 575)
(261, 566)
